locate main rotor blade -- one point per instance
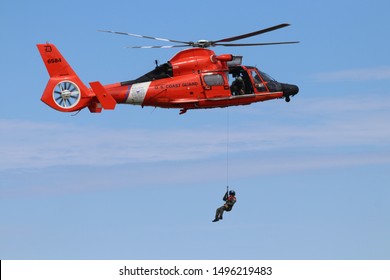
(157, 47)
(269, 29)
(256, 44)
(143, 36)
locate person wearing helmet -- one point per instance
(238, 86)
(230, 199)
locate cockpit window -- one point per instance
(256, 77)
(266, 77)
(258, 83)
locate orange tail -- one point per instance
(65, 91)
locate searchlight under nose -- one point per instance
(289, 90)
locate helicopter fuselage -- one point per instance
(194, 78)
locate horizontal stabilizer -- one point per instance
(108, 102)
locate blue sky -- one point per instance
(312, 176)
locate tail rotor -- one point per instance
(66, 94)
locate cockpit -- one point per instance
(250, 80)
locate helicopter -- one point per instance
(194, 78)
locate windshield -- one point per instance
(266, 77)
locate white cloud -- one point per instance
(315, 133)
(361, 74)
(26, 144)
(32, 145)
(314, 125)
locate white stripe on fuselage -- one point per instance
(137, 93)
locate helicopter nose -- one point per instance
(289, 90)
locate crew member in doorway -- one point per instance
(230, 199)
(238, 86)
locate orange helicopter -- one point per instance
(195, 78)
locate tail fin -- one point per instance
(65, 91)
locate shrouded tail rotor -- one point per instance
(66, 94)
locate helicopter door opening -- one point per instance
(241, 84)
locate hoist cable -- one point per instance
(227, 146)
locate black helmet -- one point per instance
(232, 192)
